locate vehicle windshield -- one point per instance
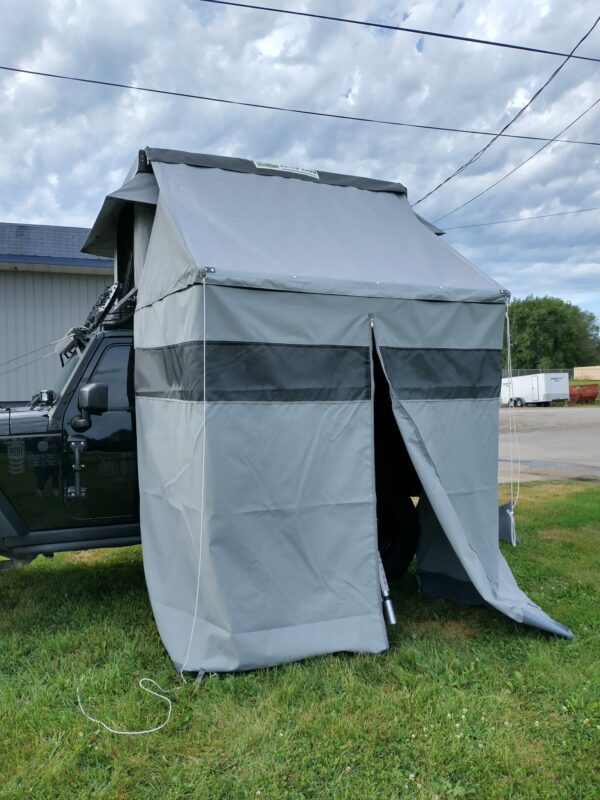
(65, 373)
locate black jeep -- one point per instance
(68, 465)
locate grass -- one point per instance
(466, 703)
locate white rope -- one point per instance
(189, 647)
(193, 628)
(142, 681)
(513, 439)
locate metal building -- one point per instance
(46, 286)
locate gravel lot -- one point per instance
(558, 443)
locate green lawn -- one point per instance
(465, 703)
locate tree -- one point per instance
(549, 333)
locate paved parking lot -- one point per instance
(558, 443)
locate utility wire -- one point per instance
(521, 111)
(522, 219)
(30, 353)
(400, 28)
(26, 364)
(291, 110)
(522, 164)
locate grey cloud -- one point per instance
(66, 145)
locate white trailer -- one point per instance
(542, 388)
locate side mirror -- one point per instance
(93, 399)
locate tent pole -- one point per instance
(388, 606)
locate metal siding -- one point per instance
(37, 308)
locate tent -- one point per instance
(274, 306)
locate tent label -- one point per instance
(312, 173)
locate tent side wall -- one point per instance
(445, 401)
(287, 521)
(288, 563)
(288, 531)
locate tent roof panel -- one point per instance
(303, 230)
(306, 232)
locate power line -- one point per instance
(521, 111)
(400, 28)
(522, 219)
(291, 110)
(31, 352)
(522, 164)
(26, 364)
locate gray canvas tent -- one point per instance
(273, 306)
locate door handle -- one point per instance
(77, 444)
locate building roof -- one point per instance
(50, 245)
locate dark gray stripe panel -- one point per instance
(442, 374)
(243, 165)
(245, 371)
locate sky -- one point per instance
(65, 145)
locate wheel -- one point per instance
(398, 536)
(519, 402)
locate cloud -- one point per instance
(65, 145)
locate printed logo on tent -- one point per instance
(312, 173)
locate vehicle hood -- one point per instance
(22, 420)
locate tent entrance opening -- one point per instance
(396, 482)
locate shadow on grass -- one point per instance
(52, 594)
(87, 588)
(432, 617)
